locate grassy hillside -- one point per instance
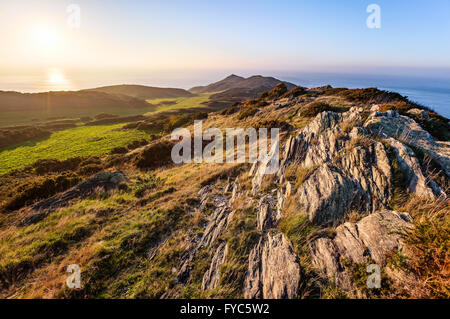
(180, 103)
(30, 108)
(133, 241)
(233, 81)
(80, 141)
(142, 91)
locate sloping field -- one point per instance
(80, 141)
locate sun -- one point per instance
(45, 38)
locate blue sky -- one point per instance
(307, 35)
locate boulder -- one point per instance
(273, 270)
(369, 241)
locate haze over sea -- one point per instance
(431, 92)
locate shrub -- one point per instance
(40, 188)
(369, 95)
(231, 110)
(277, 91)
(136, 144)
(247, 112)
(90, 169)
(119, 150)
(17, 135)
(429, 245)
(154, 156)
(295, 92)
(146, 183)
(314, 108)
(45, 166)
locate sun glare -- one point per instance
(57, 80)
(46, 38)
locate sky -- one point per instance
(185, 36)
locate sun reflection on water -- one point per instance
(57, 80)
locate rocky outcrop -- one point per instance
(273, 270)
(369, 241)
(353, 172)
(218, 222)
(212, 275)
(406, 130)
(326, 196)
(417, 183)
(268, 165)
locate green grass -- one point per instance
(11, 118)
(180, 103)
(80, 141)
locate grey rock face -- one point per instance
(349, 175)
(269, 165)
(218, 222)
(211, 277)
(326, 195)
(369, 240)
(406, 130)
(273, 270)
(353, 170)
(417, 183)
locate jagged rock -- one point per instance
(374, 108)
(234, 192)
(212, 276)
(273, 272)
(326, 195)
(419, 112)
(406, 130)
(269, 165)
(282, 194)
(369, 170)
(354, 171)
(267, 216)
(367, 241)
(218, 222)
(417, 183)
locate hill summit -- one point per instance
(261, 83)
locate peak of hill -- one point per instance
(256, 82)
(142, 91)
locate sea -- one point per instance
(433, 93)
(430, 92)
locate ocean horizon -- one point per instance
(433, 93)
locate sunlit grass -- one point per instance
(180, 103)
(80, 141)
